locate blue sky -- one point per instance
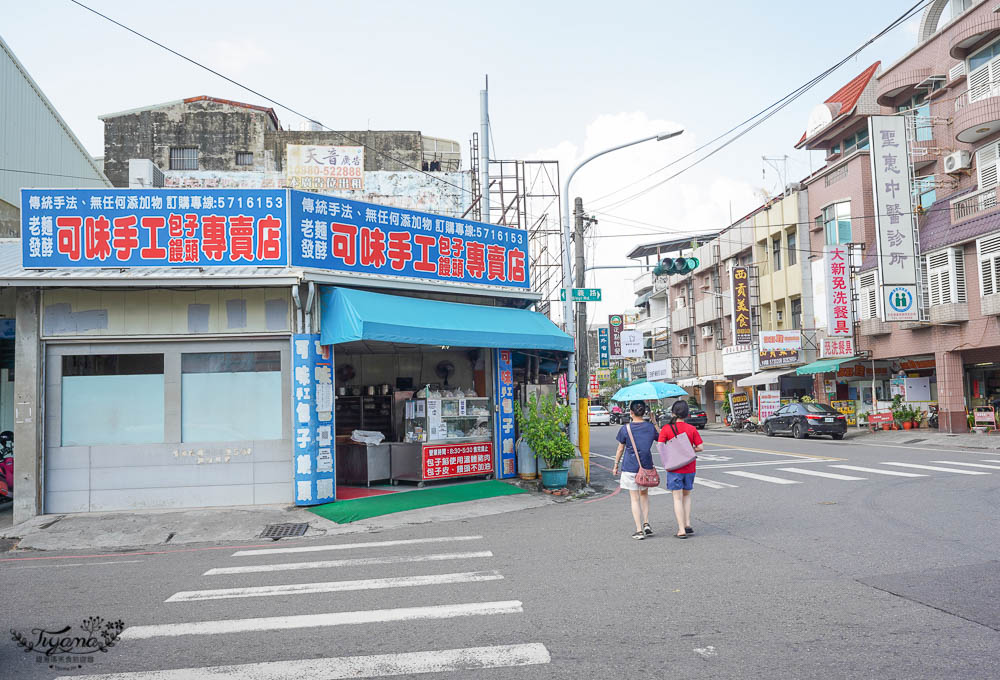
(566, 78)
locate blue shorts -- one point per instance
(676, 481)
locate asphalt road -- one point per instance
(862, 575)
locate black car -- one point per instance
(802, 420)
(697, 417)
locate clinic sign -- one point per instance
(109, 228)
(340, 235)
(836, 265)
(894, 221)
(740, 287)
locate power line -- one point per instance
(269, 99)
(51, 174)
(763, 115)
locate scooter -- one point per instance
(747, 425)
(616, 418)
(6, 464)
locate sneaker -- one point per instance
(646, 529)
(638, 535)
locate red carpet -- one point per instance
(345, 493)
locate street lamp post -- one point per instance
(574, 428)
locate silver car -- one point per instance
(599, 415)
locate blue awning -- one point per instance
(350, 315)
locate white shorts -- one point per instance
(627, 482)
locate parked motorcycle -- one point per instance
(747, 425)
(6, 464)
(617, 418)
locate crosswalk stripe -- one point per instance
(340, 668)
(817, 473)
(762, 478)
(354, 546)
(940, 469)
(713, 485)
(987, 460)
(657, 490)
(336, 586)
(443, 611)
(894, 473)
(975, 465)
(356, 562)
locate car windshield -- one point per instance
(818, 408)
(598, 409)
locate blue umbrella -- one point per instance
(649, 390)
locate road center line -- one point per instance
(443, 611)
(356, 562)
(341, 668)
(353, 546)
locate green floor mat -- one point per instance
(345, 512)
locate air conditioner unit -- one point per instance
(706, 331)
(683, 340)
(781, 315)
(960, 160)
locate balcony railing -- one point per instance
(974, 204)
(984, 90)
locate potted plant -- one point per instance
(543, 422)
(898, 412)
(918, 417)
(725, 408)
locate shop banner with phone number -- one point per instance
(312, 418)
(503, 388)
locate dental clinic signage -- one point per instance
(894, 219)
(112, 228)
(340, 235)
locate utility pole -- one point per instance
(484, 154)
(583, 371)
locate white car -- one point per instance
(599, 415)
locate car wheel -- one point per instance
(798, 432)
(837, 436)
(700, 427)
(767, 430)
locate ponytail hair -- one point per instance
(638, 408)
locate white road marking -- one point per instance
(975, 465)
(340, 668)
(358, 562)
(987, 460)
(762, 478)
(714, 485)
(78, 564)
(337, 586)
(353, 546)
(923, 448)
(893, 473)
(817, 473)
(657, 490)
(939, 469)
(706, 651)
(441, 611)
(717, 466)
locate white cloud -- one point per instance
(693, 203)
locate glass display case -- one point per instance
(445, 437)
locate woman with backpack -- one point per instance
(634, 442)
(681, 481)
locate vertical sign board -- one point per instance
(562, 386)
(836, 267)
(604, 347)
(153, 228)
(615, 325)
(740, 285)
(312, 418)
(740, 405)
(894, 217)
(503, 388)
(768, 401)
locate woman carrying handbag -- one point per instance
(680, 479)
(635, 462)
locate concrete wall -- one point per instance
(405, 146)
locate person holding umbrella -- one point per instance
(634, 442)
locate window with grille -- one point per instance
(793, 255)
(868, 295)
(776, 250)
(946, 277)
(989, 264)
(244, 158)
(797, 313)
(184, 158)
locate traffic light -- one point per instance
(676, 265)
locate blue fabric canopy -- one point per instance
(350, 315)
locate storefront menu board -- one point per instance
(846, 407)
(504, 391)
(768, 402)
(740, 405)
(312, 418)
(337, 234)
(153, 228)
(457, 460)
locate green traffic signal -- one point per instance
(676, 265)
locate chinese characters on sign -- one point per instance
(457, 460)
(504, 391)
(894, 220)
(777, 357)
(742, 332)
(839, 317)
(562, 385)
(659, 370)
(768, 401)
(604, 347)
(594, 387)
(350, 236)
(779, 348)
(631, 343)
(325, 168)
(837, 347)
(312, 420)
(615, 323)
(153, 228)
(740, 405)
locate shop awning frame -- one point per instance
(824, 366)
(349, 315)
(764, 377)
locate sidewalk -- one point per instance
(130, 530)
(925, 437)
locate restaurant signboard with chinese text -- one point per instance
(896, 242)
(341, 235)
(740, 286)
(836, 348)
(616, 323)
(325, 168)
(837, 267)
(777, 357)
(504, 389)
(312, 417)
(122, 228)
(780, 340)
(442, 461)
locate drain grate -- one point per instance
(912, 441)
(277, 531)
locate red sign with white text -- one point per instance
(457, 460)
